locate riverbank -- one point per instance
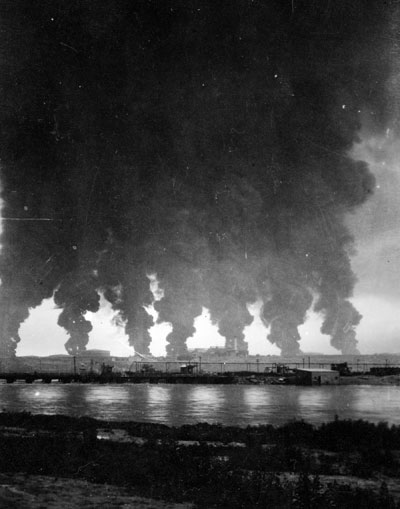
(339, 464)
(283, 376)
(370, 380)
(288, 378)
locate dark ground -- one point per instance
(339, 464)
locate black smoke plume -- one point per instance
(204, 143)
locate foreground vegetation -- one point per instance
(293, 466)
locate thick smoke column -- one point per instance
(181, 255)
(125, 284)
(238, 256)
(75, 297)
(180, 307)
(206, 144)
(290, 301)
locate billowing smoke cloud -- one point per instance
(207, 144)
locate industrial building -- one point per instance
(316, 376)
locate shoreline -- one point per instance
(365, 379)
(205, 379)
(200, 465)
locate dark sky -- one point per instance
(207, 143)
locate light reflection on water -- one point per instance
(158, 403)
(254, 398)
(227, 404)
(204, 402)
(369, 401)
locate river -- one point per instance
(238, 405)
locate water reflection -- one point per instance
(255, 397)
(103, 401)
(231, 405)
(37, 398)
(158, 403)
(204, 402)
(316, 401)
(371, 401)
